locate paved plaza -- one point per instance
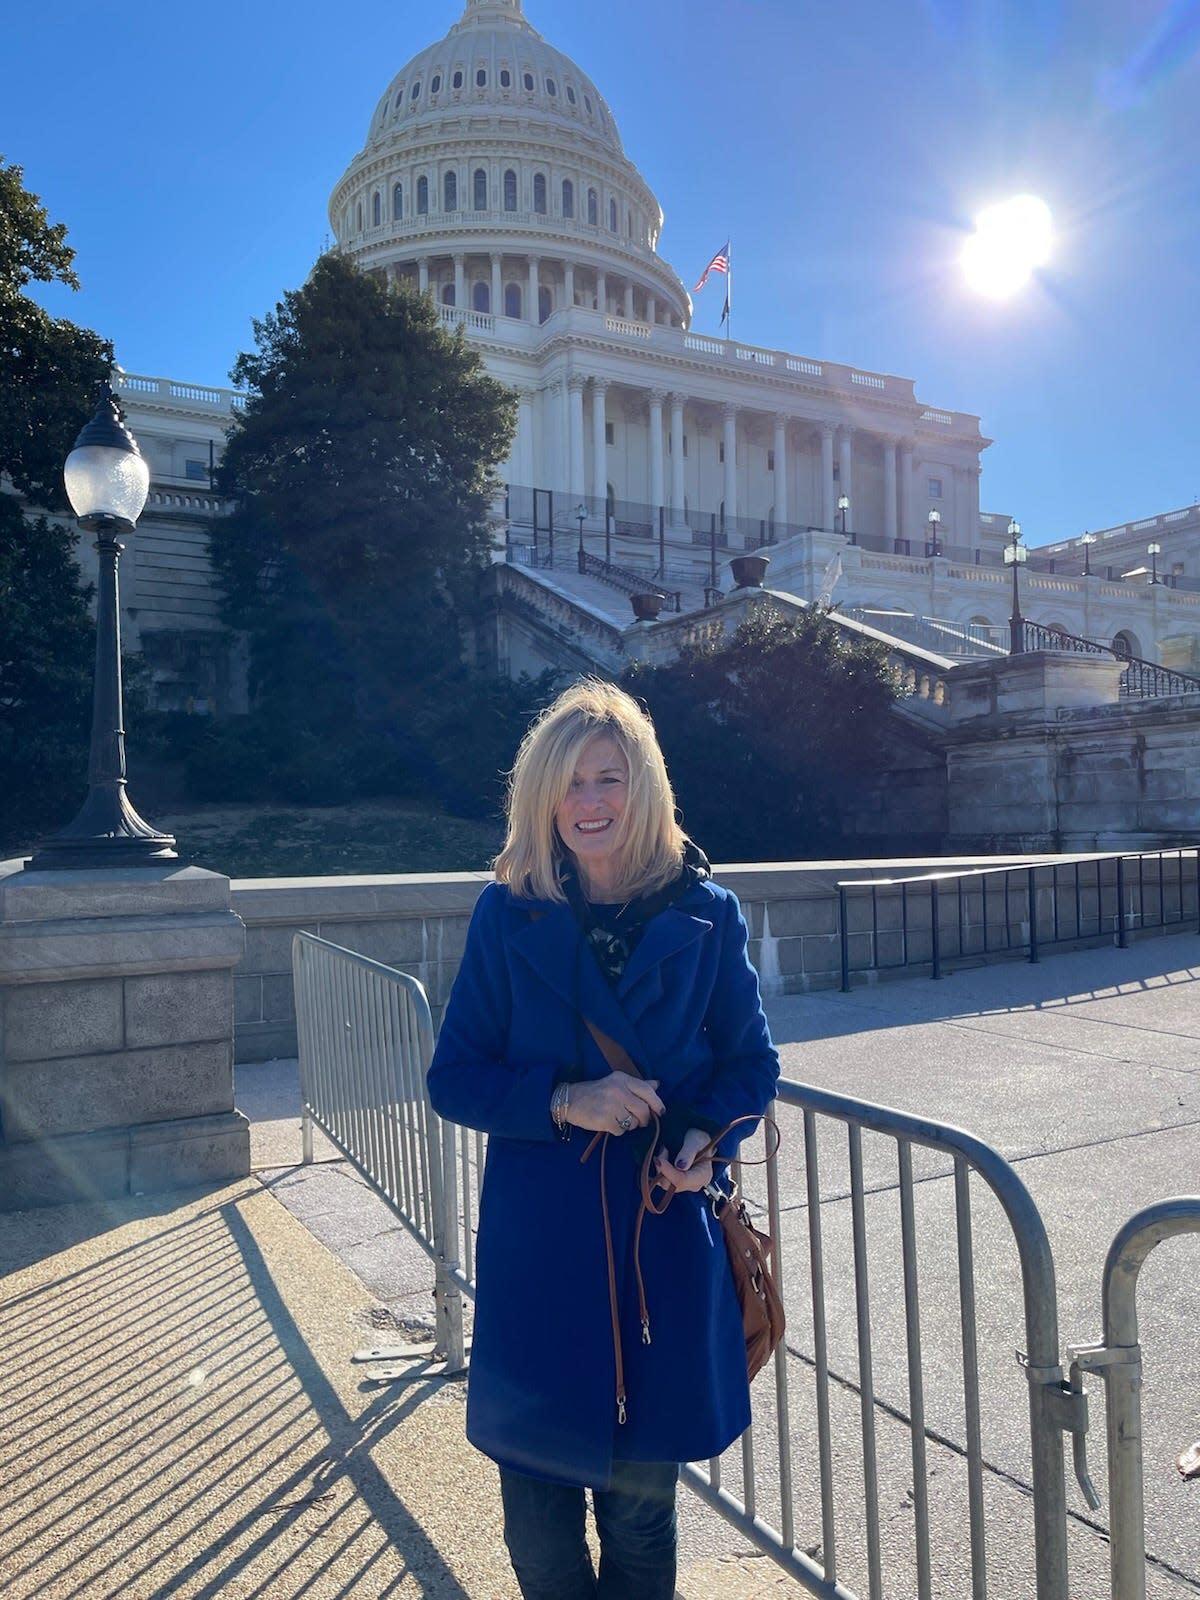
(182, 1417)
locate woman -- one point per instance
(601, 1360)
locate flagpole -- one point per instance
(728, 318)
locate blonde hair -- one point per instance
(650, 844)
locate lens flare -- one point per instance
(1011, 240)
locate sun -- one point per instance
(1011, 239)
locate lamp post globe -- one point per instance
(107, 482)
(935, 523)
(1015, 555)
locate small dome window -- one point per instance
(551, 87)
(450, 192)
(539, 193)
(415, 93)
(435, 84)
(587, 104)
(570, 94)
(505, 78)
(358, 213)
(376, 208)
(481, 78)
(448, 294)
(612, 216)
(510, 190)
(456, 80)
(423, 197)
(481, 188)
(593, 208)
(398, 202)
(527, 80)
(481, 297)
(512, 300)
(568, 198)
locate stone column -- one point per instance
(460, 281)
(569, 283)
(651, 310)
(731, 484)
(973, 475)
(423, 273)
(655, 402)
(629, 299)
(827, 494)
(523, 453)
(889, 487)
(601, 292)
(575, 384)
(497, 285)
(846, 470)
(906, 494)
(599, 438)
(781, 471)
(534, 296)
(677, 491)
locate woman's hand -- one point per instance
(685, 1172)
(614, 1104)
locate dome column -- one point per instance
(601, 292)
(599, 438)
(497, 285)
(651, 310)
(656, 398)
(569, 283)
(676, 460)
(628, 299)
(460, 281)
(575, 385)
(534, 287)
(731, 413)
(781, 471)
(423, 274)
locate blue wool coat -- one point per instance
(541, 1397)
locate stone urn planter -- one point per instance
(646, 607)
(749, 571)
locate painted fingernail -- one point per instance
(682, 1164)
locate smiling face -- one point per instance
(589, 815)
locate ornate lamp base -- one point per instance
(107, 833)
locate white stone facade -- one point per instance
(493, 176)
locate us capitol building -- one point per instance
(493, 177)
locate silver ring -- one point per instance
(625, 1123)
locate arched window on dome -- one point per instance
(568, 198)
(450, 192)
(435, 84)
(527, 80)
(629, 223)
(512, 300)
(505, 78)
(587, 104)
(481, 297)
(570, 94)
(456, 80)
(447, 294)
(376, 209)
(593, 208)
(422, 197)
(612, 216)
(358, 215)
(398, 202)
(481, 198)
(539, 193)
(415, 92)
(510, 190)
(545, 304)
(481, 78)
(551, 88)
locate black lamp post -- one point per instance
(1087, 541)
(1015, 555)
(935, 522)
(1154, 550)
(843, 505)
(107, 482)
(581, 513)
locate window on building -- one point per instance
(837, 471)
(568, 198)
(545, 303)
(609, 433)
(505, 78)
(570, 94)
(481, 78)
(435, 84)
(423, 197)
(527, 80)
(480, 189)
(196, 471)
(593, 208)
(481, 297)
(612, 216)
(510, 190)
(456, 80)
(447, 294)
(935, 488)
(376, 208)
(398, 202)
(551, 87)
(587, 103)
(539, 193)
(415, 91)
(450, 192)
(512, 300)
(358, 215)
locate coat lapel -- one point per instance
(671, 932)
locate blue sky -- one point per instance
(843, 150)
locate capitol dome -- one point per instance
(493, 172)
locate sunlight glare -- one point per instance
(1011, 239)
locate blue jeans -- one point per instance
(635, 1519)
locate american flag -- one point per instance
(719, 263)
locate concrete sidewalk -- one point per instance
(180, 1411)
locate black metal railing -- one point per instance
(920, 923)
(626, 579)
(1140, 680)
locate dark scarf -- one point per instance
(613, 935)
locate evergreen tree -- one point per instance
(361, 471)
(49, 371)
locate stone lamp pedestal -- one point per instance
(116, 1033)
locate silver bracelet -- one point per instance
(560, 1100)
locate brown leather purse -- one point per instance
(748, 1248)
